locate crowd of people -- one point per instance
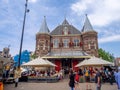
(96, 75)
(44, 73)
(100, 75)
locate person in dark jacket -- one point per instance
(98, 79)
(72, 80)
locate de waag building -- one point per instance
(66, 45)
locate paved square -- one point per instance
(61, 85)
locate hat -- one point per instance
(118, 68)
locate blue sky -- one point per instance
(104, 16)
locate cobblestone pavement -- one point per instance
(61, 85)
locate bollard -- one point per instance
(87, 87)
(1, 86)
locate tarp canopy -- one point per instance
(94, 61)
(39, 62)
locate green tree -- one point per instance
(105, 55)
(33, 56)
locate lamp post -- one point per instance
(26, 10)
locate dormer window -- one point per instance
(65, 30)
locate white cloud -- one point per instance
(102, 12)
(33, 1)
(81, 6)
(113, 38)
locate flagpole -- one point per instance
(26, 10)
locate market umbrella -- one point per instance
(94, 61)
(81, 63)
(39, 62)
(52, 64)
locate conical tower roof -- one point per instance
(87, 25)
(44, 27)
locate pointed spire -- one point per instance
(87, 25)
(65, 22)
(44, 27)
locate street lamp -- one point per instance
(26, 10)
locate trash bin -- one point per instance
(1, 86)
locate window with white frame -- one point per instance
(55, 43)
(76, 42)
(66, 43)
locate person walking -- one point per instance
(87, 75)
(98, 79)
(111, 77)
(17, 75)
(117, 78)
(77, 81)
(72, 80)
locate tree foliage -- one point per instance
(33, 56)
(105, 55)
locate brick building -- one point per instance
(5, 53)
(117, 61)
(66, 45)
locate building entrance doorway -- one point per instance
(66, 65)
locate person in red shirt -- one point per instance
(76, 80)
